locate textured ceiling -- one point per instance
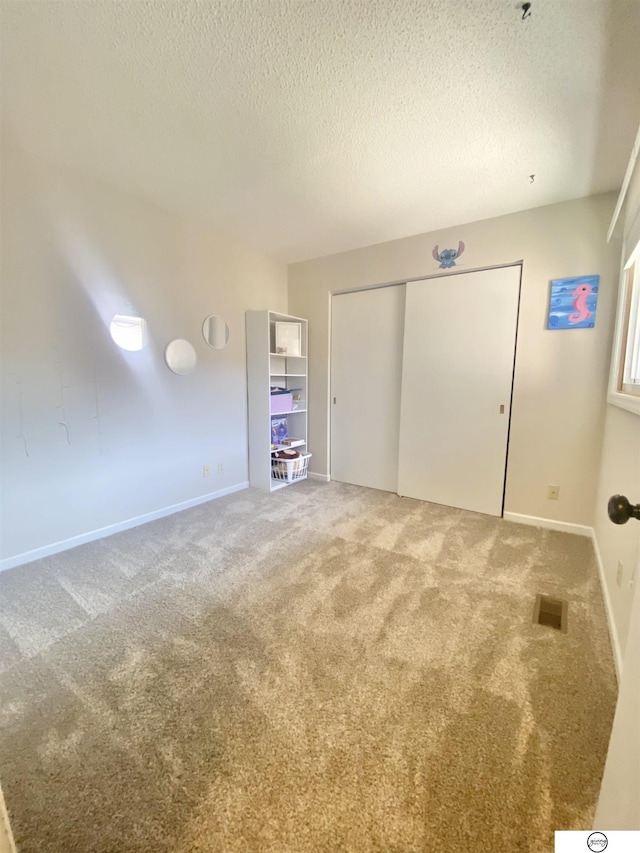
(311, 127)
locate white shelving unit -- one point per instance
(267, 368)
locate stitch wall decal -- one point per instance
(447, 257)
(573, 302)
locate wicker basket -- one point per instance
(290, 470)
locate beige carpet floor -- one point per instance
(328, 668)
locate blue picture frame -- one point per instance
(573, 302)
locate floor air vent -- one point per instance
(551, 612)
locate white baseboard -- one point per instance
(549, 524)
(325, 478)
(92, 535)
(580, 530)
(613, 632)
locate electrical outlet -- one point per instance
(220, 468)
(206, 470)
(619, 573)
(553, 492)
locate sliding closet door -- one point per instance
(366, 371)
(459, 345)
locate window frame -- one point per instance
(628, 297)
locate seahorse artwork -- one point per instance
(447, 257)
(573, 302)
(580, 304)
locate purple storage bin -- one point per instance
(281, 403)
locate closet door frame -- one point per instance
(425, 278)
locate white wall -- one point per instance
(560, 381)
(75, 252)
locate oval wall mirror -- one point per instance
(215, 331)
(180, 356)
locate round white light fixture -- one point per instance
(129, 332)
